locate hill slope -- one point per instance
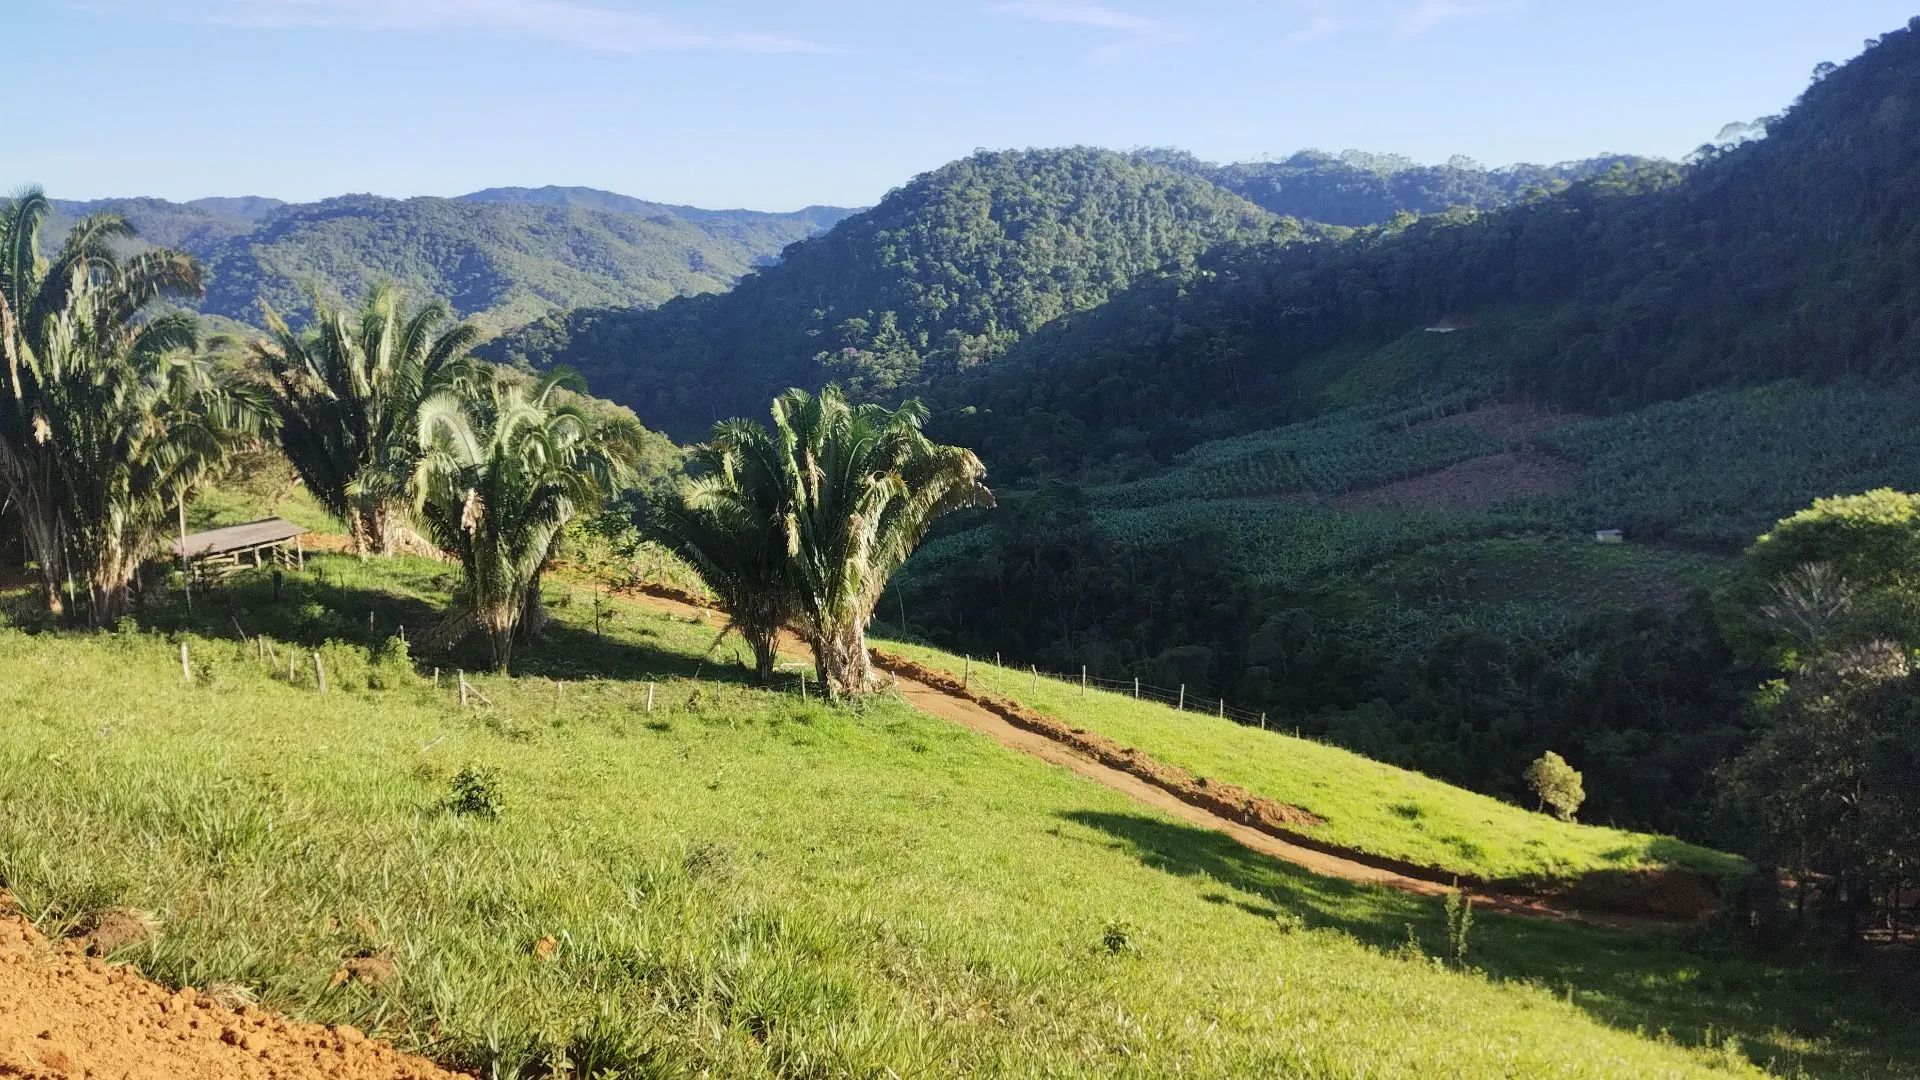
(745, 884)
(942, 276)
(1356, 485)
(1358, 189)
(505, 255)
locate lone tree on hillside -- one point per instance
(497, 482)
(1557, 785)
(349, 389)
(847, 491)
(108, 418)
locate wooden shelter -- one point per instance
(219, 552)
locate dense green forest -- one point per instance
(504, 256)
(942, 277)
(1357, 188)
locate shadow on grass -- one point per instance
(339, 599)
(1693, 984)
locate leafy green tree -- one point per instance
(1557, 785)
(1830, 787)
(107, 422)
(497, 482)
(349, 391)
(1843, 571)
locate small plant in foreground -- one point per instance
(1120, 936)
(1459, 926)
(1557, 784)
(476, 792)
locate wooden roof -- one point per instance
(237, 538)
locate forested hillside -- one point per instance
(940, 278)
(504, 256)
(1787, 257)
(1358, 485)
(1356, 188)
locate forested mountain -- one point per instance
(1789, 256)
(1358, 484)
(810, 218)
(504, 256)
(941, 277)
(1356, 188)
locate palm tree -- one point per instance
(348, 391)
(106, 422)
(497, 483)
(848, 490)
(726, 523)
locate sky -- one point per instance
(775, 105)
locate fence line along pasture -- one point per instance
(1181, 698)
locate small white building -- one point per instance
(1610, 536)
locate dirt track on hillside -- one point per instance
(976, 717)
(67, 1016)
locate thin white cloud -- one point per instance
(569, 22)
(1126, 30)
(1429, 15)
(1322, 19)
(1315, 29)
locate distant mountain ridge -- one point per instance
(942, 276)
(502, 256)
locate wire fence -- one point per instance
(1182, 698)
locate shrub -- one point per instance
(476, 792)
(1557, 784)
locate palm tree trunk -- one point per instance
(766, 651)
(500, 625)
(533, 613)
(841, 660)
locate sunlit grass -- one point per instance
(1370, 806)
(745, 884)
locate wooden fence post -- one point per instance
(1083, 680)
(1183, 698)
(436, 678)
(1223, 708)
(803, 686)
(649, 697)
(1263, 721)
(463, 689)
(967, 678)
(1136, 688)
(319, 673)
(186, 668)
(1036, 678)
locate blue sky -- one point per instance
(775, 105)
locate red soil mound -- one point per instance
(67, 1016)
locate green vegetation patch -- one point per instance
(1368, 806)
(742, 883)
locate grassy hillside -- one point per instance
(743, 883)
(1368, 806)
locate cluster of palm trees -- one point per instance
(112, 415)
(109, 414)
(801, 524)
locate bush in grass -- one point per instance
(1557, 784)
(477, 792)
